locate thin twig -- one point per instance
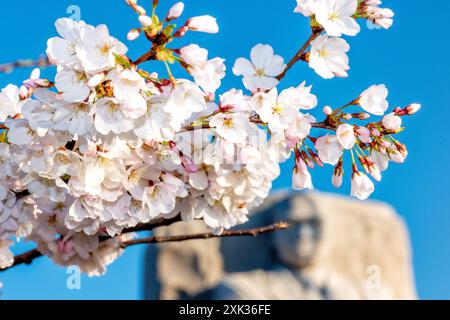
(25, 258)
(322, 125)
(231, 233)
(29, 256)
(42, 62)
(299, 54)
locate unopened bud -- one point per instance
(327, 110)
(139, 10)
(413, 108)
(205, 23)
(347, 116)
(401, 148)
(395, 156)
(337, 178)
(145, 21)
(133, 34)
(363, 116)
(176, 11)
(24, 92)
(35, 74)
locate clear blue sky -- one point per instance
(412, 59)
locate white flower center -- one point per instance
(228, 123)
(260, 72)
(277, 108)
(105, 49)
(333, 16)
(322, 53)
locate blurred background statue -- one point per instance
(336, 249)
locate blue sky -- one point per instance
(412, 59)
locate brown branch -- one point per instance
(299, 54)
(24, 258)
(29, 256)
(226, 234)
(42, 62)
(150, 55)
(323, 125)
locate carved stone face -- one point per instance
(297, 246)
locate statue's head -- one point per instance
(297, 246)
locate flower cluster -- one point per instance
(108, 146)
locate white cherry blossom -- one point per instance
(207, 73)
(328, 57)
(362, 186)
(392, 121)
(261, 71)
(63, 50)
(97, 50)
(305, 7)
(330, 149)
(346, 135)
(9, 102)
(279, 111)
(205, 23)
(336, 16)
(373, 100)
(73, 85)
(232, 127)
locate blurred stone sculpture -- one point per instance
(336, 249)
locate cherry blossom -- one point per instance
(305, 7)
(110, 145)
(330, 149)
(362, 187)
(207, 73)
(261, 71)
(206, 24)
(328, 57)
(346, 135)
(336, 16)
(373, 100)
(9, 102)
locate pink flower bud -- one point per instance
(35, 74)
(392, 121)
(176, 11)
(395, 156)
(206, 24)
(327, 110)
(413, 108)
(133, 34)
(347, 116)
(24, 92)
(145, 21)
(301, 178)
(363, 116)
(337, 178)
(364, 134)
(139, 10)
(373, 169)
(362, 187)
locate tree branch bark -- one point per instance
(299, 54)
(29, 256)
(226, 234)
